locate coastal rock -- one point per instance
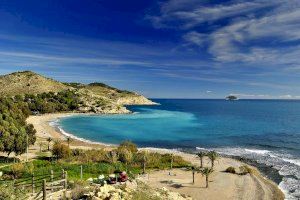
(135, 100)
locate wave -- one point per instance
(257, 151)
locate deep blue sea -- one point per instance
(267, 131)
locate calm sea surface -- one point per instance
(267, 131)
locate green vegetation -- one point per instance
(16, 133)
(94, 162)
(206, 172)
(230, 170)
(213, 156)
(201, 155)
(60, 150)
(52, 102)
(231, 98)
(13, 127)
(9, 192)
(245, 169)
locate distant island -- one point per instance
(231, 98)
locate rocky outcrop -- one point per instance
(130, 191)
(135, 100)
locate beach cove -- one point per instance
(45, 130)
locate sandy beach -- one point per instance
(221, 186)
(45, 130)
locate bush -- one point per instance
(29, 168)
(230, 170)
(8, 192)
(17, 170)
(87, 156)
(245, 170)
(78, 189)
(129, 146)
(60, 150)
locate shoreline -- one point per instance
(42, 124)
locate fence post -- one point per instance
(81, 173)
(51, 178)
(63, 174)
(172, 157)
(66, 179)
(44, 190)
(32, 183)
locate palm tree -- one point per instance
(206, 172)
(212, 155)
(49, 139)
(201, 155)
(193, 171)
(41, 144)
(69, 140)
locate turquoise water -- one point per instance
(267, 131)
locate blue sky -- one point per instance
(167, 49)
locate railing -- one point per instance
(41, 184)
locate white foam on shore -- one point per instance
(160, 150)
(55, 123)
(257, 151)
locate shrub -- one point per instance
(84, 156)
(129, 146)
(78, 189)
(17, 169)
(230, 170)
(245, 170)
(29, 168)
(8, 192)
(112, 157)
(125, 156)
(60, 150)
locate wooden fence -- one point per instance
(41, 185)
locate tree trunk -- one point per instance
(144, 167)
(193, 176)
(201, 162)
(48, 146)
(206, 181)
(212, 164)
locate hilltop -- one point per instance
(94, 97)
(28, 82)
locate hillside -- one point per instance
(28, 82)
(94, 97)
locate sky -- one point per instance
(162, 49)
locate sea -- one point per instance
(265, 132)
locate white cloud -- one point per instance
(193, 13)
(242, 95)
(264, 96)
(260, 31)
(195, 38)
